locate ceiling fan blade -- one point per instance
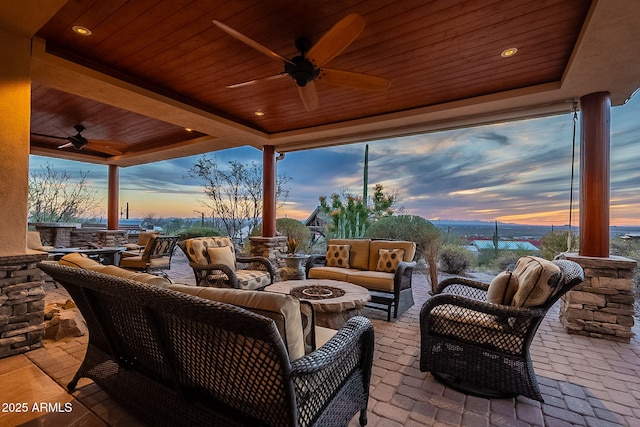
(252, 82)
(309, 96)
(353, 80)
(50, 136)
(336, 39)
(67, 145)
(254, 44)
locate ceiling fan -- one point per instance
(78, 142)
(308, 67)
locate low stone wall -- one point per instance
(602, 306)
(21, 304)
(106, 238)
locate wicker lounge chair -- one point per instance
(215, 263)
(480, 347)
(174, 359)
(156, 255)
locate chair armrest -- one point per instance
(403, 276)
(203, 270)
(351, 347)
(479, 306)
(464, 287)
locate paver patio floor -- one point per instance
(584, 381)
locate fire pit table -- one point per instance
(334, 302)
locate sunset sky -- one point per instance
(517, 172)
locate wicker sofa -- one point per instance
(385, 267)
(176, 359)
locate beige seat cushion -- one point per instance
(331, 273)
(76, 259)
(538, 278)
(150, 279)
(372, 280)
(473, 326)
(283, 309)
(358, 252)
(502, 288)
(376, 245)
(139, 263)
(253, 279)
(34, 242)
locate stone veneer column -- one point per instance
(21, 304)
(602, 306)
(270, 247)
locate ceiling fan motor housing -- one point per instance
(302, 70)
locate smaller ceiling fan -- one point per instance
(78, 142)
(305, 68)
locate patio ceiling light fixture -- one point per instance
(258, 113)
(509, 52)
(83, 31)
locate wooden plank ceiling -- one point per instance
(432, 52)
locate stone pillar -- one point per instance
(269, 247)
(21, 304)
(602, 306)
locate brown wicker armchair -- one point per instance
(215, 263)
(482, 348)
(174, 359)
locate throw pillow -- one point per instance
(537, 280)
(502, 288)
(338, 256)
(389, 259)
(222, 255)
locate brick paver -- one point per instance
(584, 381)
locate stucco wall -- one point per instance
(15, 98)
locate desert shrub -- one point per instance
(555, 243)
(629, 248)
(192, 232)
(405, 227)
(455, 259)
(505, 259)
(291, 228)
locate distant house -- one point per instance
(509, 245)
(317, 221)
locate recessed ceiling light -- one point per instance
(188, 129)
(259, 113)
(510, 51)
(83, 31)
